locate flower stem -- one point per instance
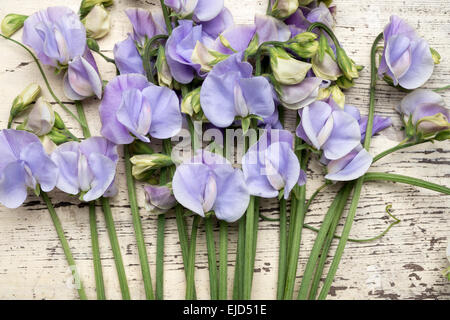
(238, 283)
(166, 17)
(212, 263)
(146, 57)
(314, 195)
(223, 260)
(326, 29)
(46, 80)
(442, 88)
(358, 186)
(143, 258)
(334, 210)
(190, 280)
(115, 249)
(398, 147)
(249, 235)
(98, 273)
(159, 290)
(283, 251)
(64, 244)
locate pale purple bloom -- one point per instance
(299, 95)
(127, 57)
(23, 164)
(407, 58)
(159, 199)
(269, 28)
(272, 121)
(133, 108)
(179, 49)
(351, 166)
(427, 111)
(238, 36)
(146, 24)
(271, 165)
(230, 90)
(202, 10)
(82, 79)
(220, 23)
(87, 168)
(207, 183)
(56, 34)
(327, 127)
(379, 123)
(300, 20)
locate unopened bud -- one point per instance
(92, 44)
(191, 102)
(346, 64)
(436, 56)
(11, 23)
(285, 68)
(140, 147)
(163, 71)
(284, 8)
(41, 119)
(145, 162)
(97, 22)
(57, 137)
(59, 123)
(87, 5)
(24, 99)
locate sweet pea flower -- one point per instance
(127, 57)
(23, 164)
(82, 79)
(220, 23)
(351, 166)
(56, 34)
(327, 127)
(271, 29)
(201, 10)
(299, 95)
(237, 37)
(133, 108)
(159, 199)
(427, 111)
(379, 123)
(41, 118)
(407, 58)
(230, 90)
(208, 183)
(271, 165)
(146, 24)
(301, 19)
(180, 47)
(87, 168)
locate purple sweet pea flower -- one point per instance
(202, 10)
(127, 57)
(56, 34)
(207, 183)
(271, 165)
(230, 90)
(272, 121)
(427, 111)
(87, 167)
(351, 166)
(82, 79)
(269, 28)
(133, 108)
(179, 49)
(299, 95)
(159, 199)
(23, 164)
(220, 23)
(238, 36)
(329, 128)
(146, 24)
(407, 58)
(300, 20)
(379, 123)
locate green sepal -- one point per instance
(443, 135)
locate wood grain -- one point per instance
(405, 264)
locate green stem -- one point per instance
(442, 88)
(238, 283)
(190, 280)
(115, 248)
(146, 57)
(166, 17)
(249, 235)
(46, 80)
(137, 223)
(160, 258)
(398, 147)
(283, 251)
(99, 283)
(314, 195)
(64, 244)
(223, 260)
(335, 208)
(359, 182)
(381, 176)
(326, 29)
(212, 262)
(255, 235)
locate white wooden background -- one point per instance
(405, 264)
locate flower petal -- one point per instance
(13, 190)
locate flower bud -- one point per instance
(24, 99)
(304, 49)
(92, 44)
(344, 83)
(252, 46)
(146, 162)
(97, 22)
(11, 23)
(286, 69)
(191, 102)
(57, 137)
(87, 5)
(140, 147)
(159, 199)
(436, 56)
(284, 8)
(346, 64)
(326, 69)
(41, 119)
(163, 71)
(59, 123)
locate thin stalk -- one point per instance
(442, 88)
(358, 186)
(238, 283)
(381, 176)
(65, 245)
(334, 210)
(326, 29)
(398, 147)
(166, 17)
(283, 251)
(159, 290)
(46, 80)
(115, 249)
(255, 235)
(223, 260)
(146, 57)
(212, 262)
(190, 281)
(143, 258)
(249, 235)
(314, 195)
